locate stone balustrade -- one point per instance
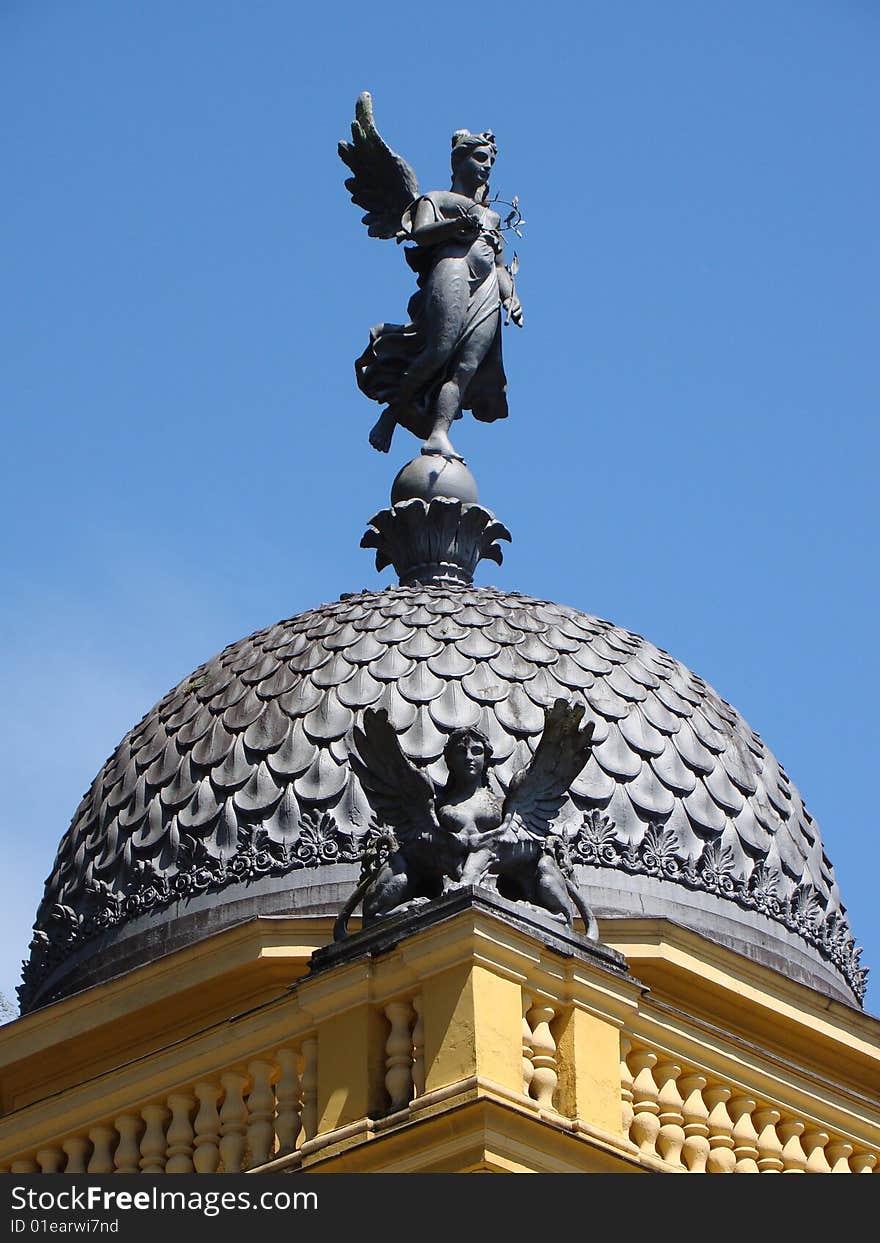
(694, 1122)
(240, 1120)
(675, 1115)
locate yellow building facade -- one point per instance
(471, 1044)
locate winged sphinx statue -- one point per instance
(448, 357)
(433, 840)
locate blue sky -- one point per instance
(693, 440)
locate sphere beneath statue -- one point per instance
(431, 475)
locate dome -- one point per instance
(234, 796)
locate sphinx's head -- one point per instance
(468, 755)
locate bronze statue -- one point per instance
(431, 841)
(448, 357)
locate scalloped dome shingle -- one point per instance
(234, 794)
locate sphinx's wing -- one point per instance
(402, 798)
(382, 181)
(537, 792)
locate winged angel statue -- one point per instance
(431, 841)
(448, 357)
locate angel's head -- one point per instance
(468, 754)
(472, 158)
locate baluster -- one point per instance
(233, 1116)
(180, 1134)
(838, 1153)
(645, 1124)
(103, 1140)
(721, 1159)
(814, 1142)
(153, 1139)
(545, 1076)
(24, 1165)
(398, 1055)
(418, 1049)
(50, 1160)
(289, 1096)
(206, 1156)
(860, 1162)
(670, 1137)
(528, 1051)
(261, 1112)
(127, 1155)
(310, 1087)
(77, 1149)
(794, 1159)
(769, 1145)
(626, 1085)
(695, 1150)
(745, 1137)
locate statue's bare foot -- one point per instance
(439, 442)
(382, 432)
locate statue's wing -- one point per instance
(401, 797)
(383, 183)
(537, 792)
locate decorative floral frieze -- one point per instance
(319, 841)
(658, 854)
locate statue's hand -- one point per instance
(514, 310)
(467, 225)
